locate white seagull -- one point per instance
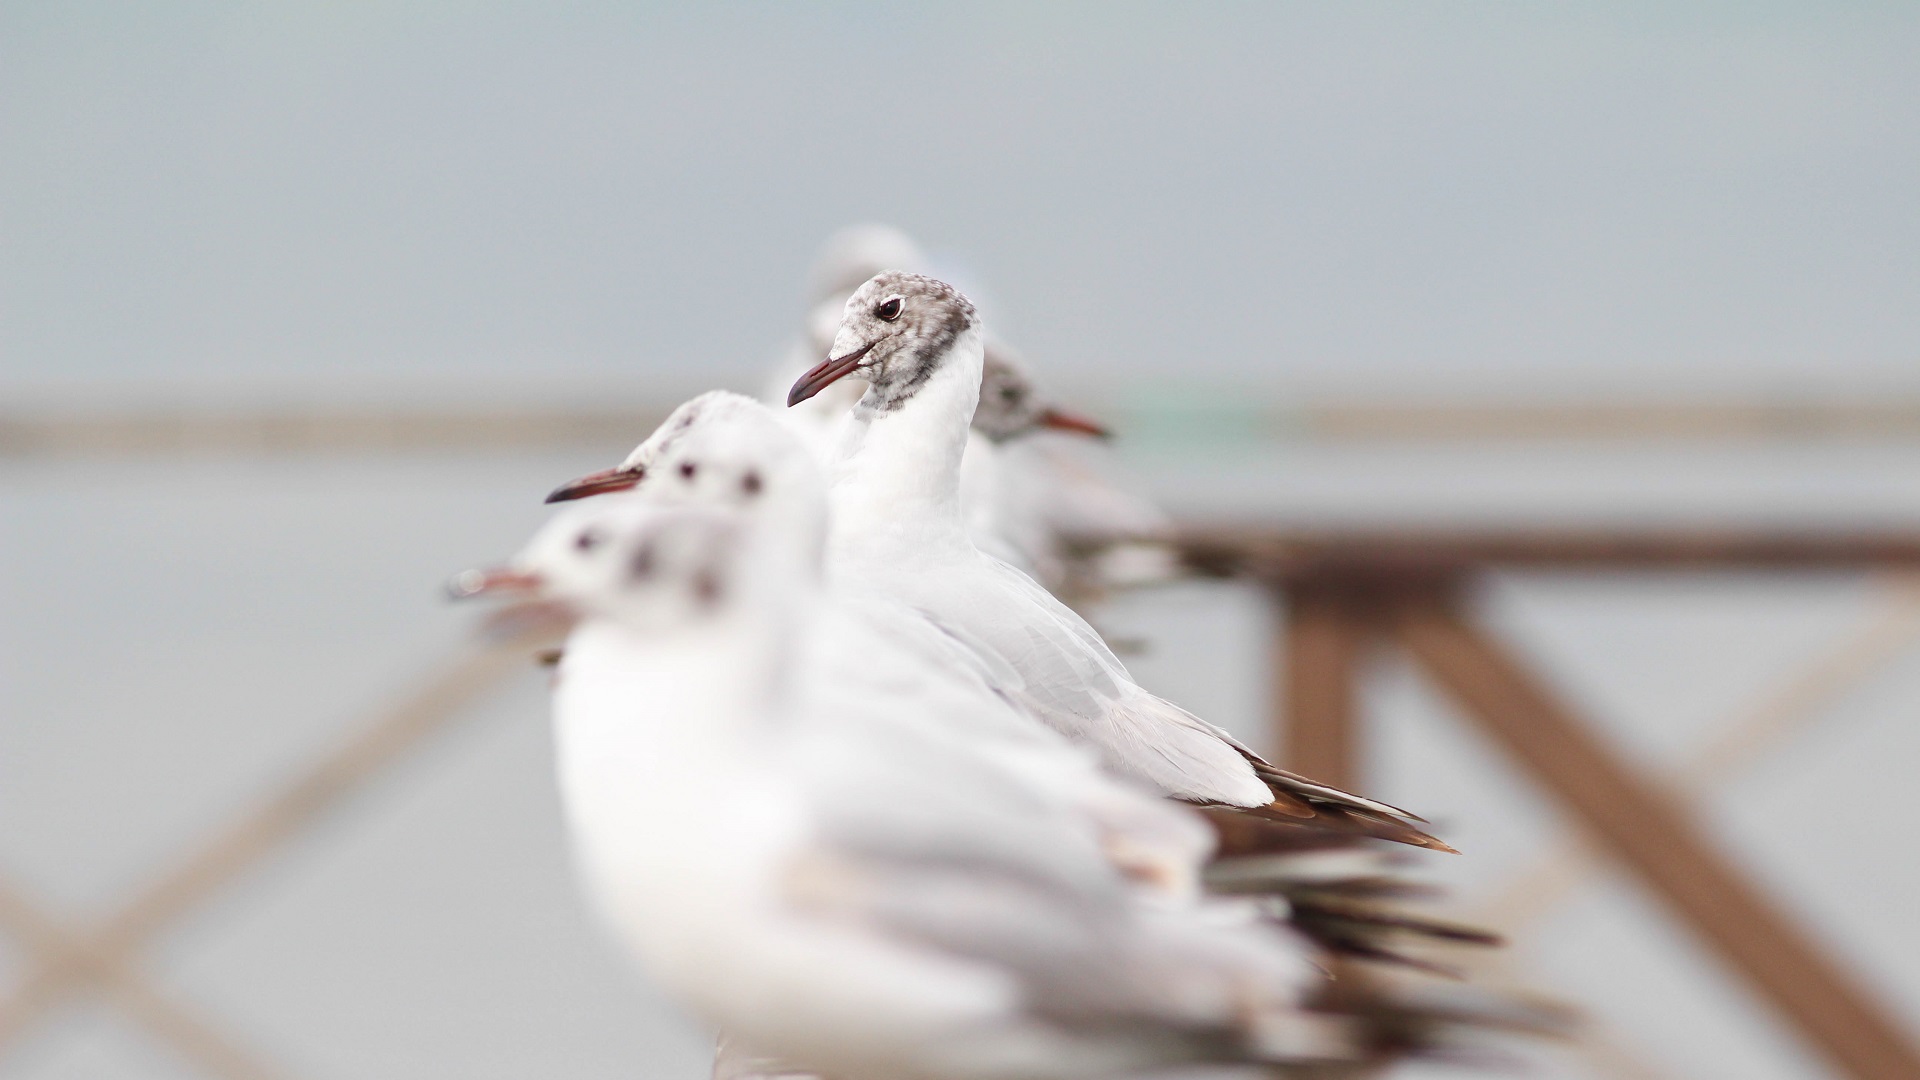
(1028, 520)
(897, 526)
(1052, 500)
(722, 449)
(847, 888)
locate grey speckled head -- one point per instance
(1011, 405)
(650, 565)
(895, 331)
(708, 408)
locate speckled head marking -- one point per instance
(1012, 406)
(1009, 403)
(631, 473)
(651, 566)
(895, 331)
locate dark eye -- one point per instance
(889, 310)
(1010, 394)
(587, 540)
(750, 483)
(687, 469)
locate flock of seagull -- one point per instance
(849, 782)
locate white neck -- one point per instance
(896, 473)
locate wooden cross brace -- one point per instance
(1332, 617)
(67, 960)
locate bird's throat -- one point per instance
(897, 471)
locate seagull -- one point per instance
(726, 447)
(1052, 502)
(1013, 521)
(725, 450)
(842, 886)
(896, 525)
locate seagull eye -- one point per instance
(889, 309)
(587, 540)
(1010, 394)
(687, 469)
(750, 483)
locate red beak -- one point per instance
(828, 372)
(604, 482)
(490, 581)
(1061, 420)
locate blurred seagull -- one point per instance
(1051, 500)
(724, 450)
(868, 897)
(728, 451)
(896, 526)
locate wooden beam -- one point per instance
(317, 429)
(1316, 663)
(1651, 832)
(1400, 556)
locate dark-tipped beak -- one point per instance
(604, 482)
(491, 581)
(829, 371)
(1061, 420)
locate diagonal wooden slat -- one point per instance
(105, 958)
(120, 982)
(1651, 832)
(1785, 710)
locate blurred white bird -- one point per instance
(722, 449)
(869, 895)
(896, 525)
(725, 450)
(1052, 500)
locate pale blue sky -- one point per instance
(1459, 198)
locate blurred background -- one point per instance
(304, 307)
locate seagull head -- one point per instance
(689, 418)
(647, 565)
(1011, 406)
(894, 332)
(726, 450)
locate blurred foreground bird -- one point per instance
(723, 448)
(1312, 872)
(839, 880)
(888, 627)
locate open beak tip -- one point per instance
(482, 582)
